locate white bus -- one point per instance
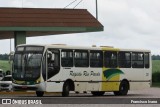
(62, 68)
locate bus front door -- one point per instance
(53, 67)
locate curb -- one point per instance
(24, 93)
(12, 93)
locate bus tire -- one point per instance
(39, 93)
(97, 93)
(66, 89)
(123, 88)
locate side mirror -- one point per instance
(50, 56)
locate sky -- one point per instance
(130, 24)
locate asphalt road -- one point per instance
(151, 94)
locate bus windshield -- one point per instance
(27, 64)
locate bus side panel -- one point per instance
(80, 77)
(139, 85)
(54, 86)
(110, 78)
(95, 79)
(139, 78)
(87, 79)
(55, 83)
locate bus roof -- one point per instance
(64, 46)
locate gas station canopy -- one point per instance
(41, 22)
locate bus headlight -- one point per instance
(37, 81)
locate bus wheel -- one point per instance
(39, 93)
(97, 93)
(123, 88)
(66, 90)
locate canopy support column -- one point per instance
(19, 38)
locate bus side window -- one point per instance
(81, 58)
(67, 58)
(124, 59)
(110, 59)
(146, 60)
(137, 60)
(96, 59)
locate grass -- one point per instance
(155, 66)
(4, 65)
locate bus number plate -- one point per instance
(24, 87)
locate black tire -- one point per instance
(116, 93)
(97, 93)
(123, 88)
(39, 93)
(66, 89)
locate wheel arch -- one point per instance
(71, 84)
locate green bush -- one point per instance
(156, 77)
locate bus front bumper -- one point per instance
(17, 87)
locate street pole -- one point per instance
(96, 10)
